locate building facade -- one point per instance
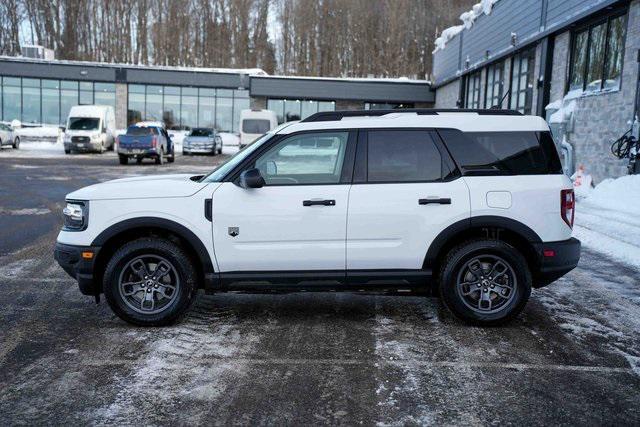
(40, 92)
(574, 62)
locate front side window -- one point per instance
(403, 156)
(596, 56)
(311, 158)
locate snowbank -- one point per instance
(608, 219)
(468, 18)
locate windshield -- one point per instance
(201, 132)
(83, 123)
(222, 170)
(258, 126)
(140, 131)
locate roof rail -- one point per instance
(327, 116)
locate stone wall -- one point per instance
(600, 118)
(447, 95)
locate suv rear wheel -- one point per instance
(485, 282)
(150, 282)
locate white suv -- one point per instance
(471, 204)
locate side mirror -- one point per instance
(251, 178)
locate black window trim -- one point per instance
(360, 170)
(346, 175)
(588, 27)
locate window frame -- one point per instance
(528, 54)
(361, 166)
(491, 70)
(588, 28)
(476, 78)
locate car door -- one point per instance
(297, 221)
(404, 193)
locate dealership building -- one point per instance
(41, 92)
(573, 62)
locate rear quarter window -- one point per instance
(502, 153)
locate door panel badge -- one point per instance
(234, 231)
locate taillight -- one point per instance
(154, 142)
(567, 206)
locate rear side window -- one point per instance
(502, 153)
(403, 156)
(255, 126)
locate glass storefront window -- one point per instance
(277, 105)
(171, 109)
(153, 108)
(239, 104)
(51, 102)
(11, 99)
(105, 94)
(135, 108)
(224, 114)
(189, 110)
(31, 100)
(296, 109)
(326, 106)
(206, 111)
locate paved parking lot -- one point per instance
(573, 357)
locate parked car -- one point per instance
(470, 205)
(90, 128)
(202, 140)
(142, 141)
(8, 137)
(255, 123)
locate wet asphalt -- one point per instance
(571, 358)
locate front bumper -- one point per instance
(199, 148)
(555, 259)
(83, 146)
(70, 258)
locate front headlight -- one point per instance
(76, 215)
(95, 137)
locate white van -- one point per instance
(90, 128)
(254, 123)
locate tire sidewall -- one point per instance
(171, 253)
(449, 276)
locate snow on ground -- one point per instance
(608, 218)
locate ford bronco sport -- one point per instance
(471, 204)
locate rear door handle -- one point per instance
(435, 201)
(318, 203)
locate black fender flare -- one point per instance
(165, 224)
(461, 226)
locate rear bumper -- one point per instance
(82, 269)
(137, 152)
(555, 259)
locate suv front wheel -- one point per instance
(150, 282)
(485, 282)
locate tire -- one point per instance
(16, 142)
(102, 148)
(139, 160)
(130, 302)
(67, 151)
(160, 157)
(481, 301)
(172, 157)
(123, 159)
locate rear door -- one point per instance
(405, 192)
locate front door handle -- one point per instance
(318, 203)
(435, 201)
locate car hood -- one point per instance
(141, 187)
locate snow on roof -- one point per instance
(468, 18)
(354, 79)
(249, 71)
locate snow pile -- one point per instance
(40, 132)
(229, 139)
(608, 221)
(565, 107)
(468, 18)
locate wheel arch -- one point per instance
(117, 234)
(519, 235)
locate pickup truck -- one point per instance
(145, 141)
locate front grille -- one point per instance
(79, 139)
